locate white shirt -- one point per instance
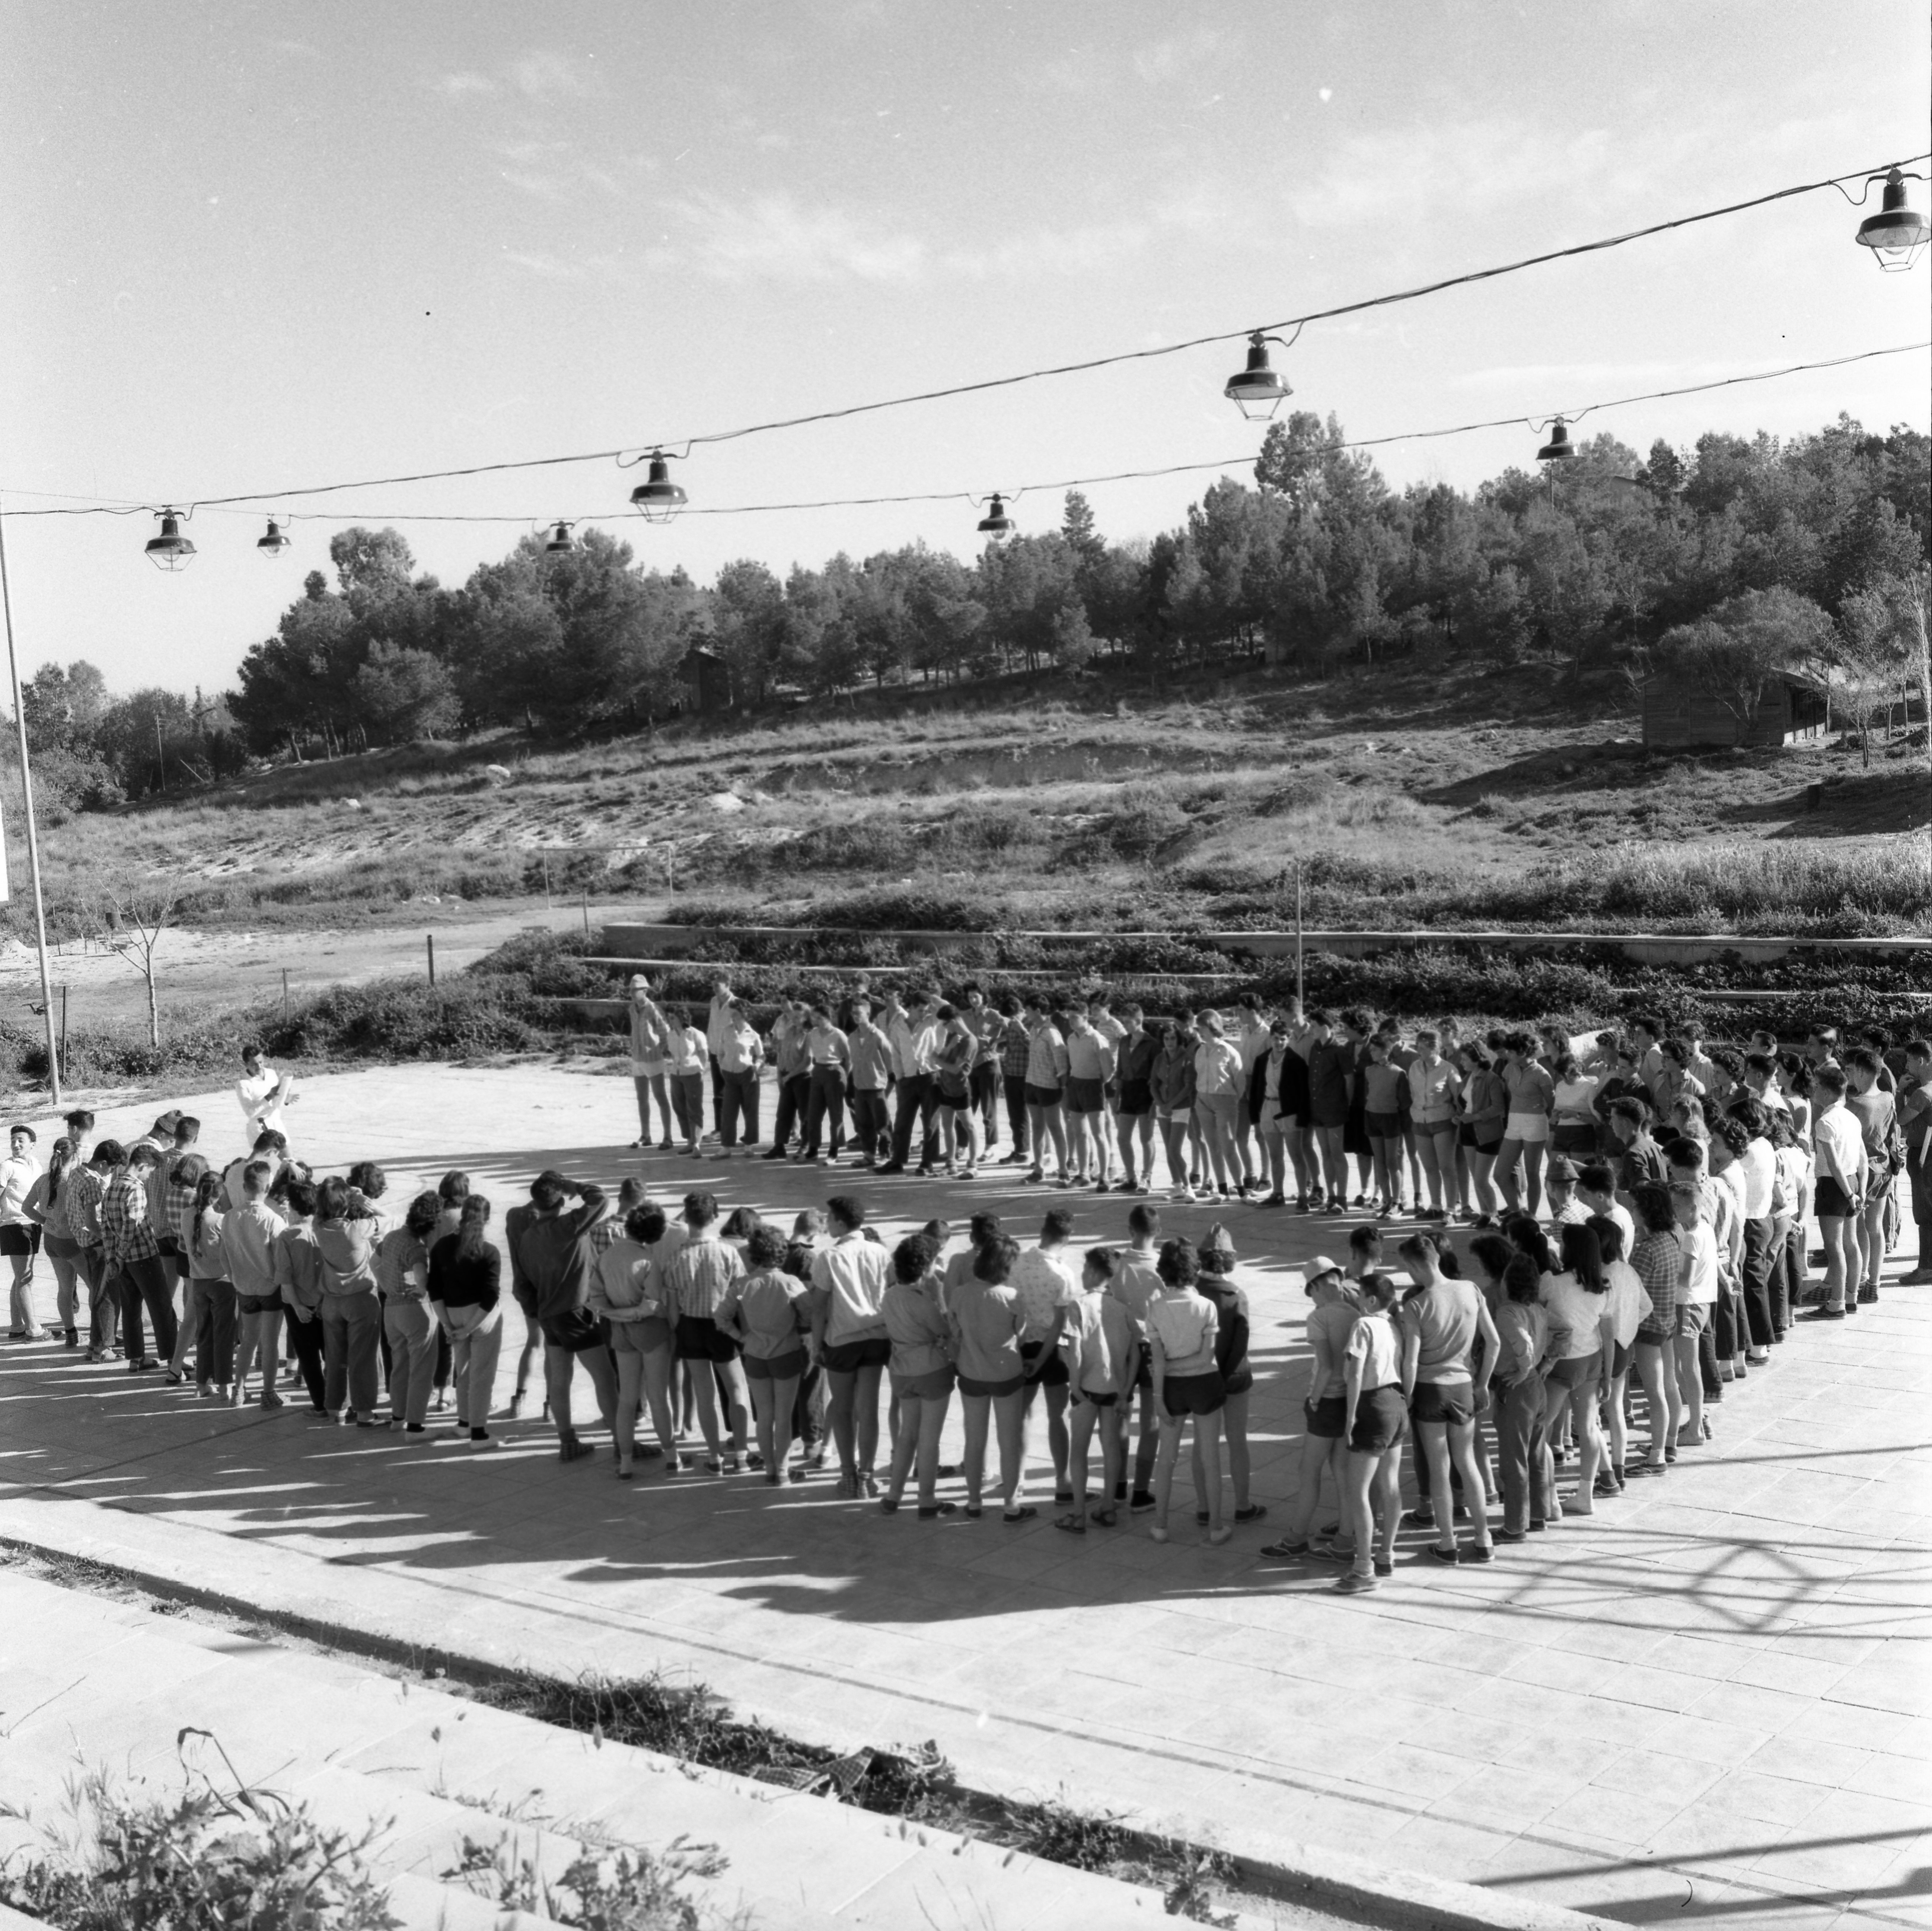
(1630, 1301)
(1044, 1282)
(1758, 1163)
(1837, 1140)
(17, 1182)
(262, 1096)
(1700, 1249)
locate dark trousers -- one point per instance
(871, 1123)
(804, 1409)
(985, 1089)
(149, 1284)
(1919, 1170)
(825, 1111)
(1756, 1289)
(919, 1100)
(104, 1305)
(1794, 1264)
(305, 1344)
(1016, 1112)
(717, 1085)
(1523, 1455)
(794, 1087)
(215, 1332)
(738, 1101)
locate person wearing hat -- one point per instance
(1216, 1283)
(1330, 1319)
(1559, 1180)
(647, 1062)
(550, 1260)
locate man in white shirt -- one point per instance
(19, 1232)
(915, 1034)
(740, 1053)
(1047, 1280)
(263, 1094)
(1696, 1296)
(248, 1236)
(1838, 1192)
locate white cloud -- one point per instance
(546, 75)
(455, 85)
(1165, 59)
(774, 237)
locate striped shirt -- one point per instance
(178, 1209)
(124, 1230)
(697, 1277)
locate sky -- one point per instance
(255, 248)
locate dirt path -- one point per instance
(226, 968)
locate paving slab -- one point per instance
(1633, 1714)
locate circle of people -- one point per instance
(1672, 1262)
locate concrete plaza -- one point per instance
(1709, 1702)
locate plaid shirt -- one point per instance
(698, 1274)
(124, 1230)
(178, 1209)
(1659, 1262)
(80, 1194)
(1015, 1049)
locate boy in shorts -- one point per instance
(1101, 1358)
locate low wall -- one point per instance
(629, 944)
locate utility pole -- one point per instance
(33, 835)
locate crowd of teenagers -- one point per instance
(1351, 1112)
(1624, 1284)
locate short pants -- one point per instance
(1830, 1201)
(644, 1337)
(1577, 1372)
(700, 1339)
(1380, 1420)
(998, 1390)
(1054, 1374)
(1531, 1129)
(1327, 1418)
(1136, 1098)
(1041, 1096)
(258, 1304)
(786, 1366)
(1084, 1096)
(1692, 1318)
(848, 1357)
(1451, 1401)
(933, 1386)
(1383, 1126)
(1183, 1394)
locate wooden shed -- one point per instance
(1677, 713)
(709, 679)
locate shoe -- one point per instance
(205, 1391)
(271, 1399)
(1448, 1557)
(1479, 1552)
(1101, 1187)
(415, 1428)
(1159, 1534)
(481, 1435)
(1821, 1314)
(1919, 1277)
(665, 1145)
(1120, 1491)
(1384, 1566)
(516, 1406)
(1511, 1535)
(73, 1338)
(1419, 1518)
(1035, 1175)
(929, 1510)
(1284, 1551)
(175, 1377)
(1275, 1200)
(1012, 1160)
(1141, 1503)
(889, 1505)
(574, 1451)
(1025, 1512)
(1216, 1537)
(1355, 1583)
(1253, 1512)
(1867, 1296)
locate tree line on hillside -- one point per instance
(1746, 556)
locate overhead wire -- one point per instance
(1244, 459)
(1468, 278)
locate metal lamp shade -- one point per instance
(559, 539)
(1896, 232)
(658, 498)
(996, 522)
(1257, 392)
(169, 551)
(271, 545)
(1559, 448)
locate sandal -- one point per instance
(1025, 1512)
(1103, 1518)
(1073, 1524)
(973, 1510)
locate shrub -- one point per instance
(206, 1862)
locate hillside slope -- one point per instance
(1402, 796)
